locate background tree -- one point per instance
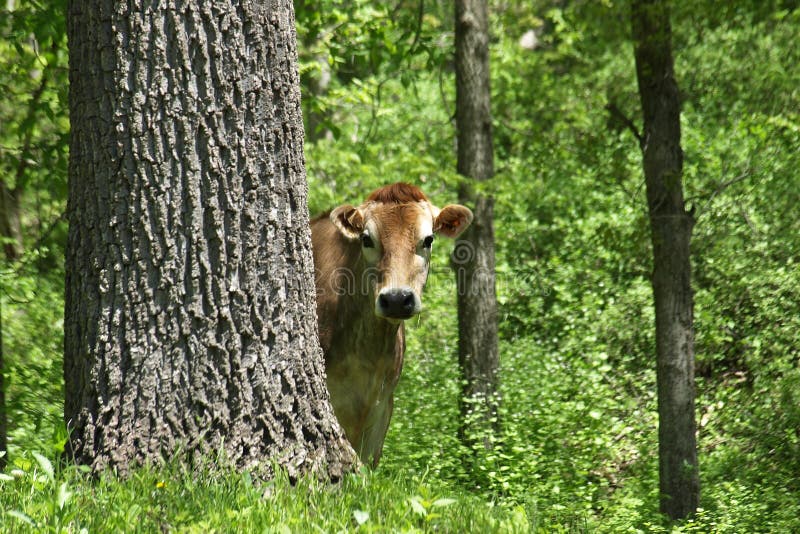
(3, 412)
(189, 321)
(33, 156)
(671, 231)
(473, 256)
(33, 139)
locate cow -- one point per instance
(371, 263)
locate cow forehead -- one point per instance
(396, 221)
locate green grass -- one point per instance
(37, 496)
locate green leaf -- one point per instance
(63, 495)
(416, 506)
(361, 516)
(439, 503)
(132, 513)
(46, 466)
(25, 518)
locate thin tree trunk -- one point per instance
(189, 318)
(10, 209)
(671, 230)
(474, 253)
(3, 408)
(10, 227)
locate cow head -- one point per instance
(396, 227)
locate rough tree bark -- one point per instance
(473, 256)
(671, 230)
(189, 316)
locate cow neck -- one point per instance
(359, 311)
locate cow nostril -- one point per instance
(397, 303)
(408, 301)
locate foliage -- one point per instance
(577, 450)
(32, 340)
(38, 495)
(33, 161)
(33, 115)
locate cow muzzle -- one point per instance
(397, 303)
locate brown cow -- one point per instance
(371, 263)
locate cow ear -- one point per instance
(452, 220)
(348, 220)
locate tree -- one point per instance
(3, 413)
(474, 253)
(189, 322)
(671, 230)
(33, 140)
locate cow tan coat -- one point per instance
(371, 263)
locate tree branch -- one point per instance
(626, 121)
(29, 120)
(420, 14)
(720, 188)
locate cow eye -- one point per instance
(427, 242)
(366, 241)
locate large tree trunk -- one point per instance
(671, 229)
(474, 254)
(189, 320)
